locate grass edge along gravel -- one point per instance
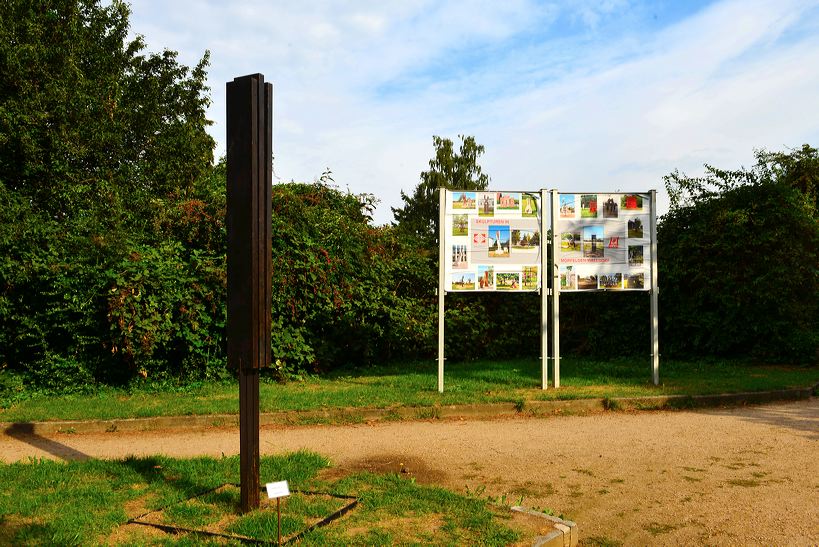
(412, 386)
(90, 502)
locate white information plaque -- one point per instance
(277, 489)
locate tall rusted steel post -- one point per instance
(249, 181)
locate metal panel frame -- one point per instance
(550, 266)
(655, 290)
(442, 193)
(555, 273)
(544, 296)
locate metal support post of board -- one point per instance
(555, 273)
(249, 194)
(441, 286)
(655, 323)
(544, 296)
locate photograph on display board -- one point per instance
(571, 243)
(463, 200)
(631, 203)
(525, 240)
(459, 261)
(528, 206)
(498, 241)
(635, 280)
(507, 202)
(615, 237)
(587, 282)
(529, 278)
(568, 278)
(635, 255)
(588, 206)
(491, 241)
(611, 281)
(567, 206)
(610, 206)
(486, 204)
(637, 228)
(463, 281)
(486, 278)
(460, 225)
(593, 241)
(507, 281)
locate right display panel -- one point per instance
(605, 241)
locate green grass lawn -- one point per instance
(88, 502)
(415, 385)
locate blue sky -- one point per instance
(580, 96)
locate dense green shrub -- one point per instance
(738, 262)
(343, 290)
(52, 290)
(101, 145)
(58, 373)
(166, 312)
(605, 325)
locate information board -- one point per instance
(492, 241)
(605, 242)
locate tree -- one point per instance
(514, 329)
(451, 169)
(798, 169)
(98, 141)
(738, 255)
(91, 126)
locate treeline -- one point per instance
(112, 238)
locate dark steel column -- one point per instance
(249, 180)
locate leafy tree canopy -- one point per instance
(105, 164)
(93, 128)
(450, 168)
(738, 255)
(797, 169)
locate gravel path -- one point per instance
(742, 476)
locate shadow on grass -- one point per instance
(175, 482)
(509, 371)
(25, 533)
(512, 373)
(621, 376)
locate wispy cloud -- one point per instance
(579, 95)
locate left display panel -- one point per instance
(492, 241)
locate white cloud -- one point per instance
(592, 11)
(361, 86)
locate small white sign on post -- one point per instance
(277, 489)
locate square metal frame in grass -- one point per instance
(352, 503)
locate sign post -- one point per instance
(442, 194)
(655, 323)
(278, 490)
(608, 242)
(491, 241)
(555, 275)
(249, 194)
(544, 299)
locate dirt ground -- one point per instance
(742, 476)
